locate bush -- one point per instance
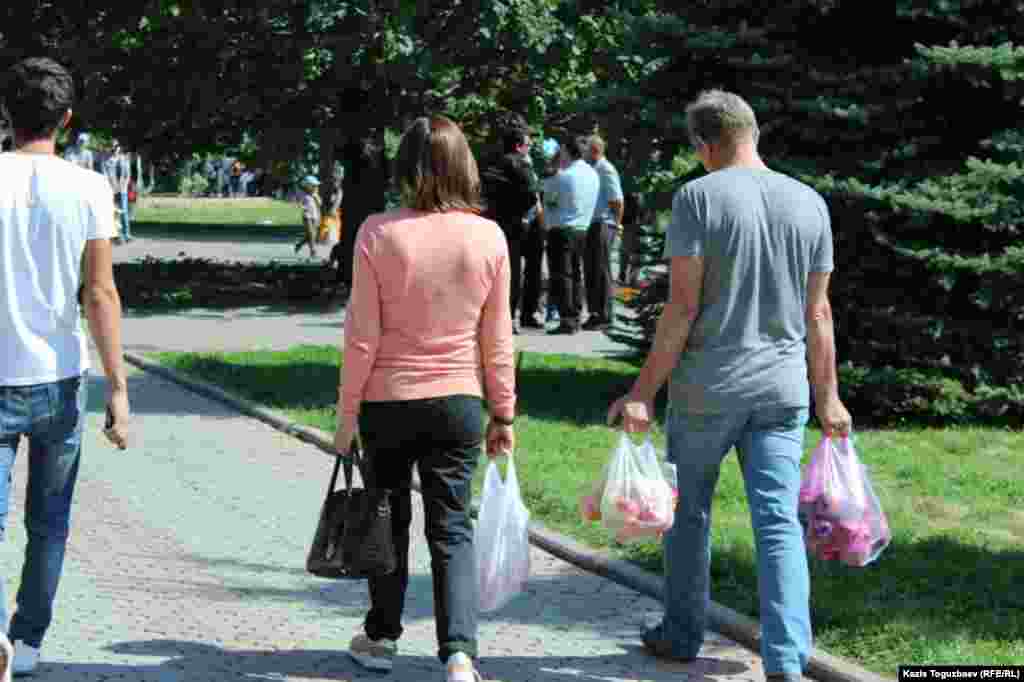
(192, 184)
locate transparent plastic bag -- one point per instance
(501, 538)
(842, 517)
(637, 501)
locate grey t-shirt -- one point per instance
(760, 234)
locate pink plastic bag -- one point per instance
(839, 510)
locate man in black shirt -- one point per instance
(510, 190)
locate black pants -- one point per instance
(533, 255)
(513, 230)
(566, 250)
(598, 270)
(627, 253)
(442, 436)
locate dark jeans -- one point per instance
(513, 230)
(533, 255)
(598, 270)
(566, 250)
(51, 417)
(442, 436)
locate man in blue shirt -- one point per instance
(604, 227)
(570, 197)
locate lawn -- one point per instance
(259, 218)
(946, 591)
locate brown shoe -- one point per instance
(373, 654)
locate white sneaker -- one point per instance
(6, 658)
(26, 658)
(460, 669)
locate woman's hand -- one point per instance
(501, 440)
(344, 434)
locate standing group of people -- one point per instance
(228, 177)
(745, 336)
(572, 217)
(117, 167)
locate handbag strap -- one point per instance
(349, 460)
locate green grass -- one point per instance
(217, 219)
(947, 590)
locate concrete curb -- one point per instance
(732, 624)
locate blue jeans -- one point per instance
(770, 444)
(51, 416)
(126, 228)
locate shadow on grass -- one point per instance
(579, 396)
(553, 393)
(932, 590)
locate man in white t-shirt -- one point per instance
(56, 222)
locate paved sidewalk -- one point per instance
(186, 564)
(275, 327)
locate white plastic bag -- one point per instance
(502, 538)
(638, 501)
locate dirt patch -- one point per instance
(940, 513)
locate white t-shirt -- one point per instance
(49, 209)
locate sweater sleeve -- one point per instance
(362, 330)
(496, 342)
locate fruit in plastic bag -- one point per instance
(590, 508)
(638, 501)
(842, 518)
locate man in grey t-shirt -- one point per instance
(748, 318)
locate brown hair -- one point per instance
(435, 168)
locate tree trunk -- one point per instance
(365, 186)
(330, 185)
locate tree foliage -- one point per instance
(912, 137)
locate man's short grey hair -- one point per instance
(719, 116)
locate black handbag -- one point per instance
(353, 538)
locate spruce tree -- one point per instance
(927, 290)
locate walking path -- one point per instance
(186, 564)
(273, 327)
(186, 555)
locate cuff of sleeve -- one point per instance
(348, 407)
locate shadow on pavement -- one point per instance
(185, 660)
(149, 397)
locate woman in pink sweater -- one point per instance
(428, 337)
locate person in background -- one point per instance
(236, 179)
(56, 221)
(633, 221)
(428, 334)
(118, 169)
(550, 153)
(510, 190)
(605, 226)
(570, 197)
(80, 154)
(310, 214)
(534, 238)
(747, 320)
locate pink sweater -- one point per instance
(429, 314)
